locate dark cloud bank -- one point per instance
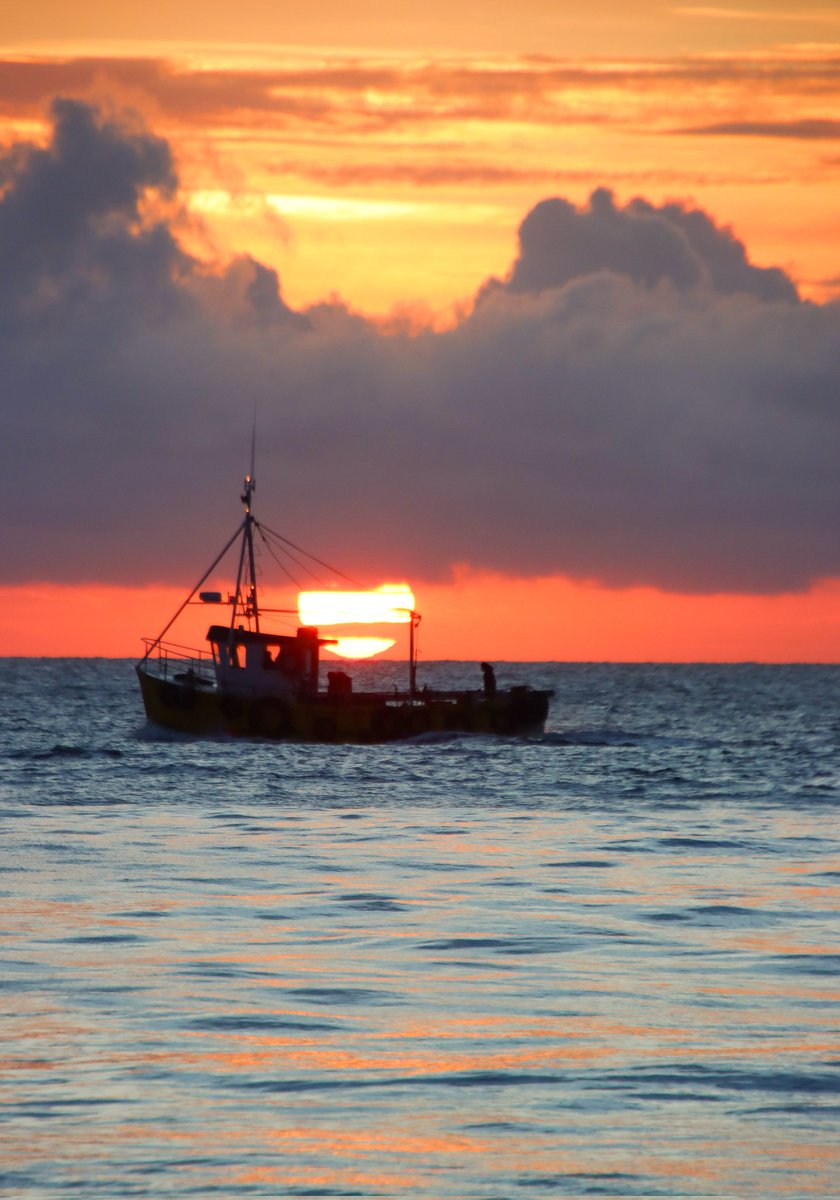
(635, 403)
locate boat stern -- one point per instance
(185, 701)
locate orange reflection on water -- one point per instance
(387, 1183)
(817, 892)
(719, 1163)
(772, 1048)
(773, 943)
(56, 914)
(790, 991)
(25, 1064)
(394, 1141)
(306, 1053)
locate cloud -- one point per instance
(71, 225)
(764, 15)
(811, 129)
(315, 91)
(431, 171)
(636, 403)
(559, 243)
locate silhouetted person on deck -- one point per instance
(489, 679)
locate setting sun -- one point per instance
(359, 647)
(386, 605)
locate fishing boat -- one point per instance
(253, 683)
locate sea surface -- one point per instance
(604, 962)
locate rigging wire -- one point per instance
(279, 562)
(306, 554)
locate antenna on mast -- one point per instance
(250, 479)
(247, 563)
(254, 442)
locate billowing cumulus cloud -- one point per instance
(635, 403)
(71, 229)
(559, 243)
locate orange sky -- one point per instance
(354, 148)
(479, 617)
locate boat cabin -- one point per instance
(274, 664)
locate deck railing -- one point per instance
(168, 659)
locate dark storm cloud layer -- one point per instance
(635, 403)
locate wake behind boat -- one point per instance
(253, 683)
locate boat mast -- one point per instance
(414, 618)
(252, 608)
(248, 605)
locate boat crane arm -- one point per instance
(208, 572)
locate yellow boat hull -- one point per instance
(200, 709)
